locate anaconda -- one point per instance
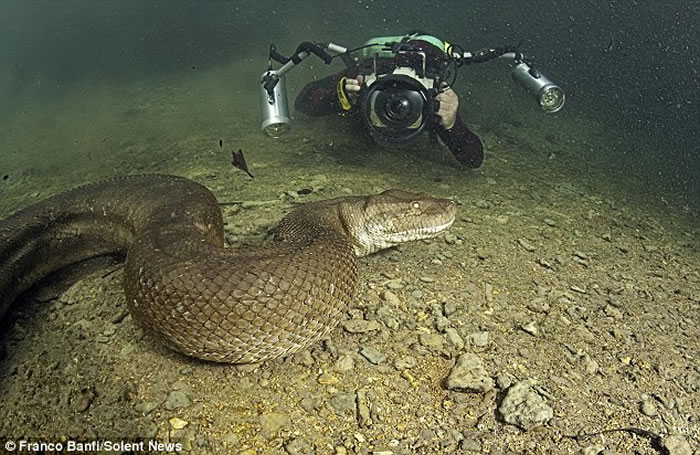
(233, 305)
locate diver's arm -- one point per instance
(462, 142)
(320, 97)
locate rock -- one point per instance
(344, 363)
(391, 298)
(442, 323)
(648, 408)
(361, 326)
(524, 407)
(327, 379)
(417, 294)
(310, 404)
(454, 338)
(177, 423)
(530, 328)
(449, 308)
(613, 312)
(469, 375)
(344, 402)
(595, 449)
(298, 446)
(590, 365)
(396, 283)
(470, 445)
(363, 411)
(432, 341)
(676, 444)
(372, 355)
(145, 407)
(177, 399)
(450, 238)
(386, 315)
(231, 439)
(84, 400)
(479, 339)
(527, 246)
(272, 422)
(504, 380)
(405, 363)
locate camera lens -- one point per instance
(397, 108)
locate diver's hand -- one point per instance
(449, 102)
(353, 86)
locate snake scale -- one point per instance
(182, 284)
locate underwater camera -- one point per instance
(397, 107)
(402, 76)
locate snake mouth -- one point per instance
(419, 233)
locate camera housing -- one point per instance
(397, 107)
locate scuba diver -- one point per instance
(398, 87)
(340, 93)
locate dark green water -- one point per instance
(629, 67)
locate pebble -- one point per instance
(327, 379)
(442, 323)
(450, 238)
(676, 444)
(590, 365)
(526, 245)
(391, 298)
(504, 380)
(524, 407)
(405, 363)
(84, 400)
(469, 375)
(272, 422)
(449, 308)
(344, 402)
(470, 445)
(481, 253)
(177, 399)
(310, 404)
(344, 363)
(550, 222)
(613, 312)
(177, 423)
(417, 294)
(530, 328)
(479, 339)
(361, 325)
(454, 338)
(363, 412)
(595, 449)
(432, 341)
(395, 284)
(372, 355)
(231, 439)
(648, 408)
(386, 315)
(298, 446)
(145, 407)
(482, 204)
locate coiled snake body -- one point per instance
(202, 299)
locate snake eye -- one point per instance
(416, 205)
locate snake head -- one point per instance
(393, 217)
